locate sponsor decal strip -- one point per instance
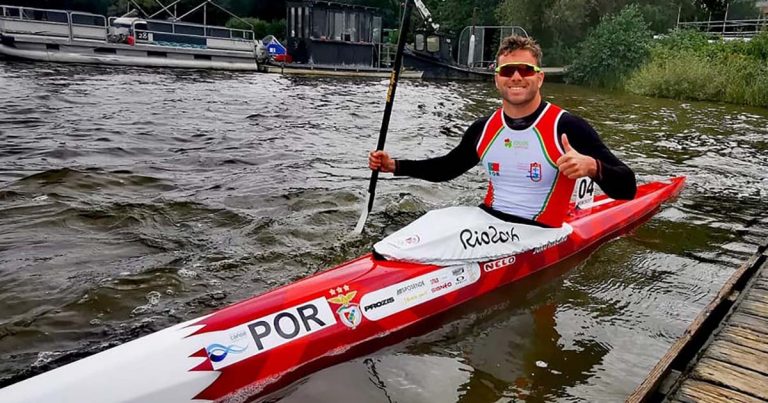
(398, 297)
(244, 341)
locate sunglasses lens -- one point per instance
(508, 70)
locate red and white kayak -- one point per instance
(252, 347)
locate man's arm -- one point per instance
(614, 177)
(459, 160)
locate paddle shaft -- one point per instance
(391, 95)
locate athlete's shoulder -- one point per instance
(475, 131)
(573, 122)
(483, 120)
(479, 124)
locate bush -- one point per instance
(612, 51)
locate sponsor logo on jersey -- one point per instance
(516, 144)
(534, 172)
(494, 168)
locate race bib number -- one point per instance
(585, 192)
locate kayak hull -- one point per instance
(252, 347)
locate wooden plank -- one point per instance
(757, 295)
(731, 376)
(744, 337)
(738, 355)
(753, 323)
(754, 308)
(692, 391)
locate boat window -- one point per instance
(376, 30)
(319, 24)
(142, 26)
(338, 25)
(159, 26)
(365, 28)
(350, 33)
(218, 33)
(306, 22)
(190, 30)
(12, 12)
(93, 20)
(299, 21)
(56, 16)
(433, 43)
(419, 41)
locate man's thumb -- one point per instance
(566, 145)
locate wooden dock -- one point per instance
(723, 355)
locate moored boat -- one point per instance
(254, 346)
(75, 37)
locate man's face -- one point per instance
(518, 90)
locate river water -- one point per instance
(134, 199)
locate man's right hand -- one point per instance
(380, 160)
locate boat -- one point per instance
(75, 37)
(433, 53)
(326, 38)
(256, 346)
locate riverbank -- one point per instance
(685, 65)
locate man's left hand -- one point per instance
(575, 165)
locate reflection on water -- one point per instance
(134, 199)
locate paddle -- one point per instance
(387, 112)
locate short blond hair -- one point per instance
(518, 42)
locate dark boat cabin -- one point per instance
(327, 33)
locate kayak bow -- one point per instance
(251, 347)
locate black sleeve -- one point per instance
(459, 160)
(614, 177)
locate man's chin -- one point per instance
(517, 101)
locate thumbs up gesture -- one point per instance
(573, 164)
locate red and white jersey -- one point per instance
(524, 179)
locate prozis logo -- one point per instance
(498, 264)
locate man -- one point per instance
(533, 150)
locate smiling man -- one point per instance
(532, 150)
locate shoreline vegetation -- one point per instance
(622, 53)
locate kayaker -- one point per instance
(532, 149)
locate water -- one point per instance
(133, 199)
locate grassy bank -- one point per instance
(620, 53)
(685, 65)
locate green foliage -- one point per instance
(615, 48)
(560, 25)
(685, 65)
(261, 28)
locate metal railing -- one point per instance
(728, 28)
(206, 30)
(40, 21)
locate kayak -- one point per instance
(250, 348)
